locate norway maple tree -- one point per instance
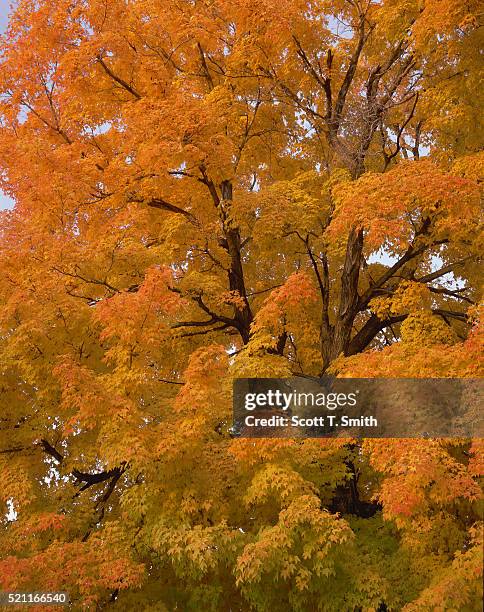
(235, 188)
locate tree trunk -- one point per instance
(335, 340)
(243, 316)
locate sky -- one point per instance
(4, 11)
(5, 202)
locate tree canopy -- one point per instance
(208, 190)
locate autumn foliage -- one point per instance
(208, 190)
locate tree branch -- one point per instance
(85, 477)
(117, 79)
(350, 73)
(445, 270)
(205, 67)
(162, 204)
(388, 158)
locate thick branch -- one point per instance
(50, 450)
(443, 271)
(162, 204)
(368, 332)
(85, 477)
(409, 254)
(205, 67)
(350, 73)
(204, 332)
(117, 79)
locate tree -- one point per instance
(209, 190)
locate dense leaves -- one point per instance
(206, 190)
